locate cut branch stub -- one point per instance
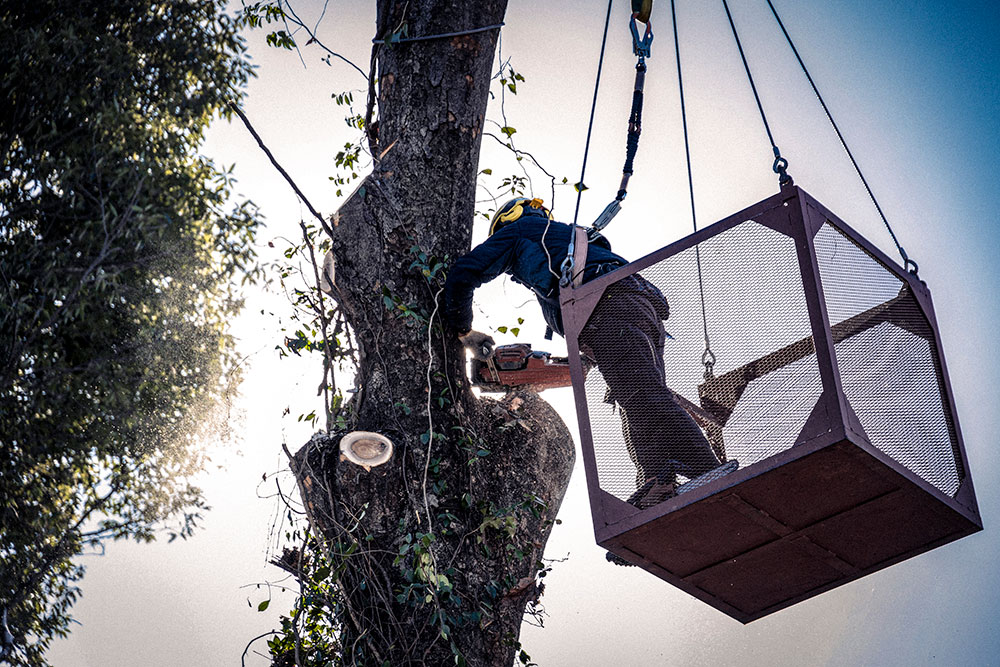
(327, 275)
(365, 449)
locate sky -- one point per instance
(914, 87)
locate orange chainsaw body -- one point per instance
(517, 365)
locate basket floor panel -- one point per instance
(794, 531)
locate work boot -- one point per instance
(726, 468)
(653, 492)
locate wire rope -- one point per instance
(580, 187)
(423, 38)
(708, 357)
(907, 262)
(780, 164)
(567, 265)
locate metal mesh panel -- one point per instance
(754, 306)
(888, 362)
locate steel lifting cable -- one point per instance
(567, 264)
(780, 164)
(908, 264)
(707, 357)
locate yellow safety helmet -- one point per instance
(513, 210)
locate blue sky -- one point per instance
(915, 87)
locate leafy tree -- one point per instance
(120, 267)
(434, 556)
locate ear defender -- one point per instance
(514, 209)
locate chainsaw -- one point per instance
(517, 365)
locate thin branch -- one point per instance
(52, 553)
(519, 152)
(298, 51)
(315, 40)
(270, 156)
(243, 658)
(299, 603)
(287, 501)
(430, 414)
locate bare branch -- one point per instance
(243, 658)
(270, 156)
(315, 40)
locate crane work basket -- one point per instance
(829, 387)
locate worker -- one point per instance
(624, 337)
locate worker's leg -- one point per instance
(640, 470)
(626, 337)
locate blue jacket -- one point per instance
(519, 249)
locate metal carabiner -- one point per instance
(641, 46)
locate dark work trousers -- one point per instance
(626, 336)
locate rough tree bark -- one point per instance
(440, 547)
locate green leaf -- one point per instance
(508, 130)
(263, 605)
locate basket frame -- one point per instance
(831, 433)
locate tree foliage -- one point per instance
(121, 260)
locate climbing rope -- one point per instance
(780, 164)
(908, 263)
(567, 266)
(707, 357)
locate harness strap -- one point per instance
(579, 255)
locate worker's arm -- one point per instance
(484, 263)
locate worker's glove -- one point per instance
(480, 344)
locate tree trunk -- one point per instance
(438, 549)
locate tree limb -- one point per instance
(270, 156)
